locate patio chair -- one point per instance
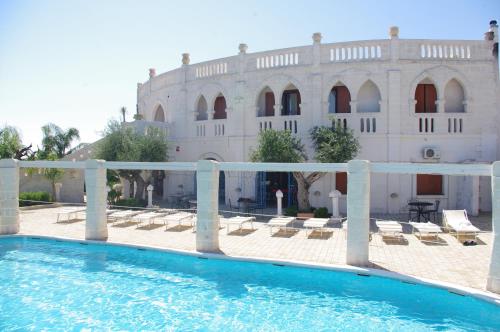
(425, 229)
(458, 222)
(68, 214)
(389, 228)
(280, 222)
(433, 211)
(411, 209)
(177, 218)
(148, 217)
(233, 207)
(122, 215)
(316, 224)
(238, 221)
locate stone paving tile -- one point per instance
(449, 261)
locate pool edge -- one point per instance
(450, 287)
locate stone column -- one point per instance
(358, 212)
(335, 195)
(150, 195)
(58, 187)
(207, 226)
(96, 227)
(9, 196)
(493, 283)
(279, 199)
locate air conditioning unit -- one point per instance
(432, 153)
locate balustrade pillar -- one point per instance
(9, 196)
(493, 283)
(207, 225)
(96, 227)
(358, 212)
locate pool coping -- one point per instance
(362, 271)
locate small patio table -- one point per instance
(420, 208)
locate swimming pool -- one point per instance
(57, 285)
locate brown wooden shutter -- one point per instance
(269, 104)
(430, 98)
(343, 100)
(420, 98)
(341, 182)
(220, 108)
(428, 184)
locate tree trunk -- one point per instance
(303, 185)
(140, 187)
(53, 190)
(302, 192)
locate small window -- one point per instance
(290, 102)
(341, 182)
(220, 108)
(428, 184)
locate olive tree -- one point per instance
(330, 145)
(122, 143)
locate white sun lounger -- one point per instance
(67, 214)
(177, 218)
(458, 222)
(425, 229)
(316, 224)
(122, 215)
(280, 222)
(389, 228)
(148, 217)
(238, 221)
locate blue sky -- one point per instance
(75, 63)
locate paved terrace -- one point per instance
(445, 260)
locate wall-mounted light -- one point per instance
(177, 148)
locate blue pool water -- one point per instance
(61, 286)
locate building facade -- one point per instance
(406, 100)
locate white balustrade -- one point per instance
(207, 70)
(445, 51)
(355, 53)
(277, 60)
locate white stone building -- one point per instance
(406, 100)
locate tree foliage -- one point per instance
(278, 147)
(330, 145)
(122, 143)
(10, 142)
(334, 145)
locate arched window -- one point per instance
(290, 101)
(339, 100)
(201, 109)
(368, 98)
(220, 107)
(159, 114)
(265, 104)
(454, 97)
(425, 97)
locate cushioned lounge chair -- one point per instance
(67, 214)
(238, 221)
(457, 222)
(389, 228)
(178, 218)
(425, 229)
(316, 224)
(148, 217)
(280, 223)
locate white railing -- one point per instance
(219, 127)
(444, 49)
(439, 123)
(355, 53)
(440, 51)
(277, 60)
(212, 69)
(291, 123)
(455, 125)
(201, 130)
(360, 123)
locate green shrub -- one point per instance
(291, 211)
(321, 212)
(36, 196)
(131, 202)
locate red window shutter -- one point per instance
(428, 184)
(341, 182)
(420, 98)
(269, 104)
(430, 98)
(220, 108)
(343, 100)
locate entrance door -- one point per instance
(271, 182)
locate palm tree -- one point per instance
(56, 140)
(123, 110)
